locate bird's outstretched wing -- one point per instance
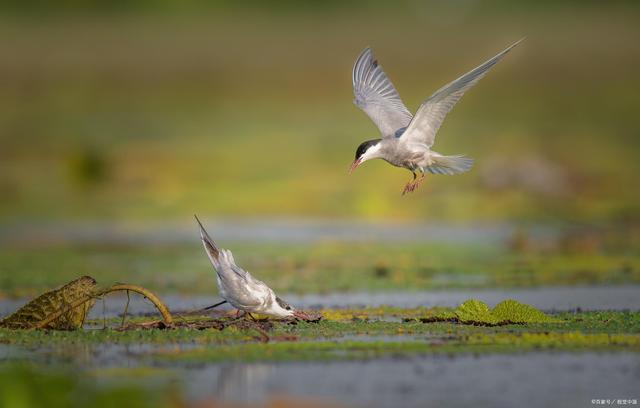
(376, 96)
(431, 113)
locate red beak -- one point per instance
(299, 314)
(355, 164)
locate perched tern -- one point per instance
(239, 288)
(406, 140)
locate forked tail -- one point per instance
(449, 164)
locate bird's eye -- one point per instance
(288, 307)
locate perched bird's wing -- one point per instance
(221, 259)
(431, 113)
(242, 289)
(377, 97)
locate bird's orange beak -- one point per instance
(354, 165)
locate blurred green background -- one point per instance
(120, 119)
(155, 110)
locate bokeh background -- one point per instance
(144, 110)
(138, 114)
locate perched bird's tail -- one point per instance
(449, 164)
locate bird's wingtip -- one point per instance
(518, 42)
(209, 243)
(199, 222)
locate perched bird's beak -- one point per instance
(355, 164)
(299, 314)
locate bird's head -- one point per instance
(366, 151)
(283, 309)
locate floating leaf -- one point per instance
(506, 312)
(475, 312)
(515, 312)
(65, 308)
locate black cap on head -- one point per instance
(283, 304)
(364, 146)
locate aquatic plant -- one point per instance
(56, 303)
(476, 312)
(66, 308)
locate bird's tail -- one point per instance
(449, 164)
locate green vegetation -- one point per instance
(506, 312)
(66, 364)
(240, 112)
(303, 268)
(56, 301)
(335, 325)
(60, 387)
(329, 350)
(515, 312)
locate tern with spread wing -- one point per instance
(406, 140)
(239, 288)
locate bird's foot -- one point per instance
(407, 188)
(412, 185)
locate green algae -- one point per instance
(353, 349)
(365, 338)
(443, 332)
(368, 313)
(562, 340)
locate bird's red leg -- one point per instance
(410, 185)
(416, 184)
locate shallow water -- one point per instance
(282, 230)
(535, 379)
(523, 380)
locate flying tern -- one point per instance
(406, 139)
(240, 289)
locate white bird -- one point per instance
(240, 289)
(406, 140)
